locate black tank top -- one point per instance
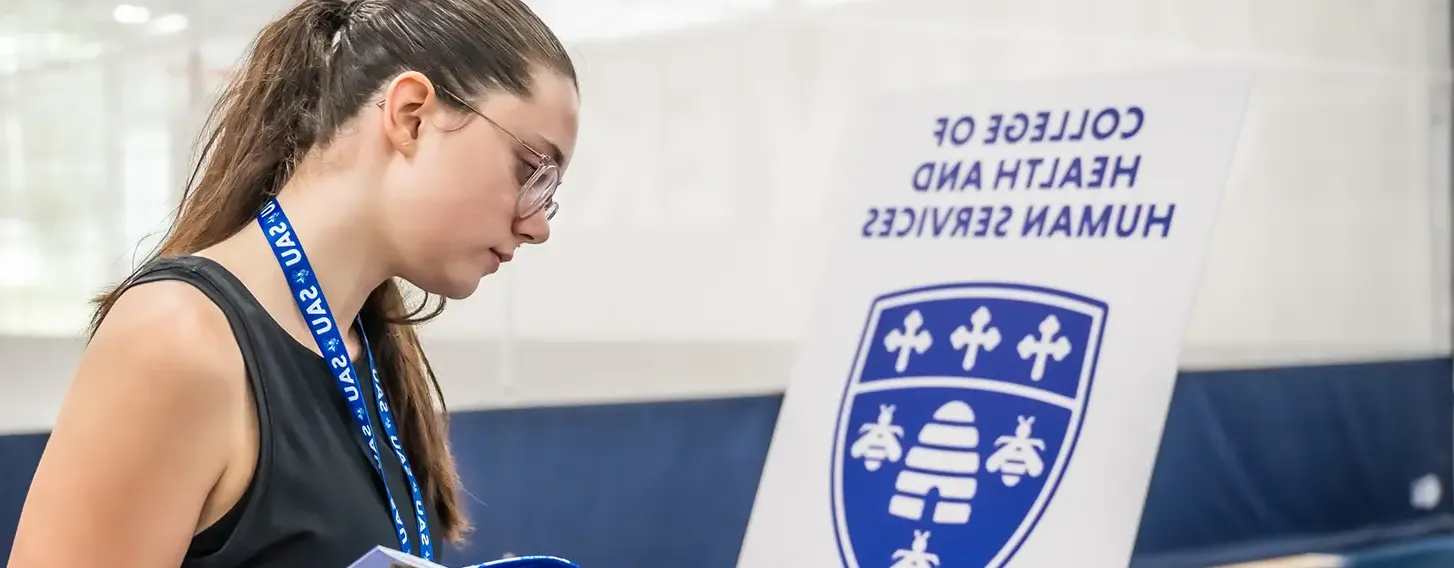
(315, 500)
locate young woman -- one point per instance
(256, 395)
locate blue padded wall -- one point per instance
(1283, 460)
(1253, 462)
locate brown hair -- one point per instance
(309, 72)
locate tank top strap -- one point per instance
(205, 274)
(210, 547)
(229, 295)
(219, 285)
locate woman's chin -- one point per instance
(461, 289)
(452, 286)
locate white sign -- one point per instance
(384, 557)
(987, 376)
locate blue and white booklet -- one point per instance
(383, 557)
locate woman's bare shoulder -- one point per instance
(169, 326)
(142, 438)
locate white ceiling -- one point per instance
(39, 33)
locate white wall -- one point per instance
(683, 262)
(707, 154)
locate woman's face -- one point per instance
(453, 200)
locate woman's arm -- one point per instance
(145, 432)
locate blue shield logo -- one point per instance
(959, 418)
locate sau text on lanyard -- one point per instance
(311, 303)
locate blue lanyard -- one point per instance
(309, 296)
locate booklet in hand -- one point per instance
(382, 557)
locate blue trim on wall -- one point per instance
(641, 485)
(1253, 463)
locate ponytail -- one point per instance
(269, 116)
(255, 134)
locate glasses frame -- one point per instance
(544, 201)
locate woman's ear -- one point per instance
(407, 100)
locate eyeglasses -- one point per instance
(537, 194)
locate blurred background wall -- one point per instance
(614, 392)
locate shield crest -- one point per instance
(959, 417)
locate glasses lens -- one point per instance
(538, 191)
